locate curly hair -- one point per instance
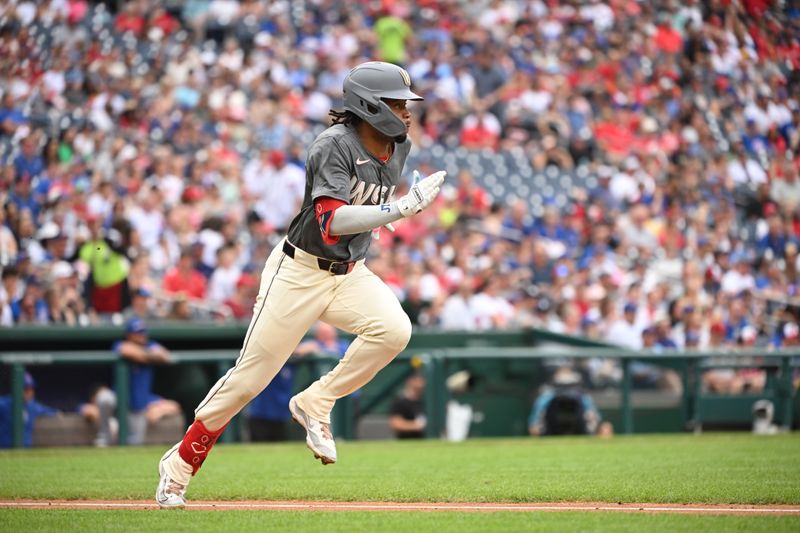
(344, 117)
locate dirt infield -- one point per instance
(396, 506)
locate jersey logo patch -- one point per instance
(360, 162)
(362, 193)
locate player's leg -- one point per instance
(290, 300)
(363, 305)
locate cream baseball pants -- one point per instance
(294, 294)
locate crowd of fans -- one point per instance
(151, 154)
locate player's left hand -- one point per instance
(422, 193)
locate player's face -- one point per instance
(400, 109)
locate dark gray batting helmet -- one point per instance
(368, 84)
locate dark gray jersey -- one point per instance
(339, 167)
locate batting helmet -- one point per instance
(368, 84)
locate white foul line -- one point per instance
(334, 506)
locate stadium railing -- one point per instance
(437, 364)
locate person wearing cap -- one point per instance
(241, 301)
(29, 163)
(649, 375)
(54, 242)
(692, 339)
(281, 194)
(718, 380)
(31, 308)
(142, 352)
(141, 299)
(738, 318)
(786, 336)
(625, 331)
(145, 407)
(31, 411)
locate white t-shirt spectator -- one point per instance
(54, 82)
(316, 106)
(749, 172)
(457, 314)
(488, 121)
(282, 195)
(759, 116)
(148, 224)
(785, 193)
(779, 114)
(624, 187)
(223, 11)
(490, 311)
(458, 88)
(254, 176)
(536, 101)
(429, 287)
(99, 205)
(171, 187)
(222, 284)
(211, 241)
(734, 282)
(625, 334)
(600, 14)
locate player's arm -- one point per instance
(349, 219)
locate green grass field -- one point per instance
(718, 468)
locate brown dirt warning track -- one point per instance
(404, 506)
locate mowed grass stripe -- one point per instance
(296, 505)
(710, 468)
(62, 520)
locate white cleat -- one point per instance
(318, 435)
(170, 493)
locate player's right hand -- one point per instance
(422, 194)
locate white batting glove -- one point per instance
(422, 194)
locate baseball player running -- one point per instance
(317, 273)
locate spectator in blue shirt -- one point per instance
(145, 407)
(11, 116)
(142, 352)
(23, 197)
(31, 411)
(28, 163)
(268, 414)
(775, 240)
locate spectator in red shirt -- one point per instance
(164, 21)
(480, 130)
(471, 196)
(130, 20)
(184, 278)
(241, 302)
(667, 39)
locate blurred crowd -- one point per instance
(151, 155)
